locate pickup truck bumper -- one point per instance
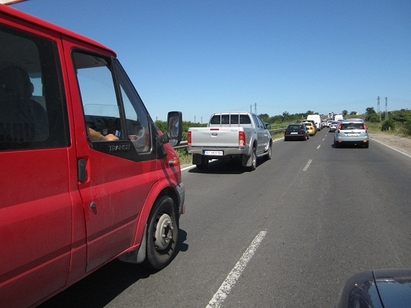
(234, 151)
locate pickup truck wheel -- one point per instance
(269, 152)
(162, 234)
(204, 163)
(253, 160)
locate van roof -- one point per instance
(6, 10)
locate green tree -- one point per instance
(265, 117)
(370, 110)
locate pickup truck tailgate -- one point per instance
(215, 137)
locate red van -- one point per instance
(85, 175)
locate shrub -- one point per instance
(407, 128)
(388, 125)
(373, 118)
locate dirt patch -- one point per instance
(402, 144)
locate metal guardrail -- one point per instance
(183, 144)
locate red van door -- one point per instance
(37, 187)
(116, 156)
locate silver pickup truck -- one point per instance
(230, 135)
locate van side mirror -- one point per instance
(267, 125)
(174, 127)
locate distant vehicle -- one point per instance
(230, 135)
(332, 127)
(338, 117)
(317, 120)
(310, 128)
(351, 133)
(377, 288)
(296, 131)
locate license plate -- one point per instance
(352, 135)
(294, 133)
(214, 153)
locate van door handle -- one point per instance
(81, 170)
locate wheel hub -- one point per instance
(164, 232)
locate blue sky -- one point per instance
(205, 56)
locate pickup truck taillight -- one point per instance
(189, 137)
(241, 139)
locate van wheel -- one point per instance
(162, 234)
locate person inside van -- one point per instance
(96, 136)
(22, 119)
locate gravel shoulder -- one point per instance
(399, 143)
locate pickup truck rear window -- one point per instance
(230, 119)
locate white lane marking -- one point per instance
(235, 273)
(318, 146)
(188, 167)
(307, 165)
(392, 148)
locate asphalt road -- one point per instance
(285, 235)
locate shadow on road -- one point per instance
(230, 167)
(101, 287)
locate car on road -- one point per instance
(351, 133)
(296, 131)
(310, 127)
(377, 288)
(332, 127)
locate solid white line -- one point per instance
(188, 167)
(307, 165)
(235, 273)
(392, 148)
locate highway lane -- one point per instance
(326, 214)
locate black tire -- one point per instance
(269, 154)
(336, 144)
(253, 160)
(204, 163)
(366, 145)
(162, 234)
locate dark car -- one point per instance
(296, 131)
(382, 288)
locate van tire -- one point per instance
(162, 234)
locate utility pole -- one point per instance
(255, 108)
(378, 108)
(386, 108)
(251, 108)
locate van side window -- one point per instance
(110, 103)
(32, 108)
